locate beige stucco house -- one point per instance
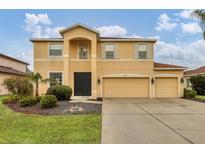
(105, 67)
(10, 67)
(189, 73)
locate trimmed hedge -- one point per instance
(27, 101)
(62, 92)
(6, 100)
(11, 99)
(189, 93)
(48, 101)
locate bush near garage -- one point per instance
(48, 101)
(189, 93)
(62, 92)
(198, 84)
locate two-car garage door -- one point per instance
(126, 87)
(139, 87)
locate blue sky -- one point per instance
(180, 39)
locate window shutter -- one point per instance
(116, 52)
(103, 51)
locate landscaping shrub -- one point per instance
(27, 101)
(11, 99)
(198, 84)
(48, 101)
(6, 100)
(189, 93)
(20, 86)
(62, 92)
(37, 99)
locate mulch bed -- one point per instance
(63, 107)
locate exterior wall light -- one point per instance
(98, 80)
(152, 80)
(182, 80)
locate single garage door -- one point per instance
(166, 87)
(125, 87)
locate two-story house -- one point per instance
(10, 67)
(105, 67)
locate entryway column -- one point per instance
(66, 47)
(94, 67)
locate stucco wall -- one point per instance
(14, 64)
(126, 63)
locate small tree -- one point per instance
(200, 15)
(18, 86)
(36, 78)
(198, 84)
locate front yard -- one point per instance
(202, 97)
(26, 128)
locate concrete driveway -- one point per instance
(153, 121)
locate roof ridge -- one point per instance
(15, 59)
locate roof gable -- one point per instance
(78, 25)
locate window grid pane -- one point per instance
(55, 52)
(57, 77)
(142, 55)
(83, 51)
(142, 48)
(109, 54)
(55, 49)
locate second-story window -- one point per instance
(109, 52)
(142, 51)
(55, 49)
(83, 51)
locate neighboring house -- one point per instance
(10, 67)
(188, 74)
(105, 67)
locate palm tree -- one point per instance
(36, 78)
(200, 15)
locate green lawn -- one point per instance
(201, 97)
(24, 128)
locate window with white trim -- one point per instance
(109, 51)
(142, 51)
(83, 51)
(55, 49)
(57, 76)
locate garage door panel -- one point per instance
(166, 87)
(125, 87)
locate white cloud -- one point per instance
(185, 14)
(27, 56)
(189, 55)
(165, 23)
(191, 28)
(112, 31)
(39, 26)
(118, 31)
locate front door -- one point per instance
(82, 84)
